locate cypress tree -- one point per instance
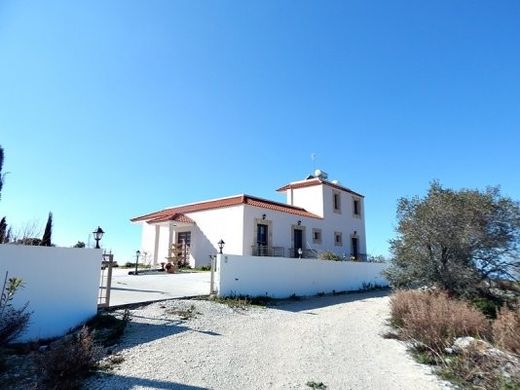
(3, 231)
(1, 164)
(47, 234)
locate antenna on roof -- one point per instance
(314, 156)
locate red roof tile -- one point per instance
(181, 218)
(315, 182)
(178, 212)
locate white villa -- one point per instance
(319, 215)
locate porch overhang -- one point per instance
(176, 219)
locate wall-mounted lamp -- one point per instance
(98, 235)
(264, 216)
(299, 222)
(355, 232)
(220, 245)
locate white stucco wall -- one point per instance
(147, 238)
(345, 221)
(60, 284)
(281, 277)
(212, 226)
(281, 224)
(310, 198)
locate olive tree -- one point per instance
(457, 240)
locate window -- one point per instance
(356, 205)
(316, 236)
(261, 235)
(336, 202)
(338, 239)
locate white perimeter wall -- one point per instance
(281, 277)
(60, 284)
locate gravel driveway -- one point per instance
(333, 339)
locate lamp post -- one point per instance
(220, 245)
(98, 235)
(137, 254)
(300, 252)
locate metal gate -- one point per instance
(105, 282)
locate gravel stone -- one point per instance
(332, 339)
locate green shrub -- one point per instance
(328, 255)
(12, 321)
(487, 306)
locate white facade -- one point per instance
(320, 212)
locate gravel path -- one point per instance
(335, 340)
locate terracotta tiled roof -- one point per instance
(181, 218)
(275, 206)
(180, 211)
(315, 182)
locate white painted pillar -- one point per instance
(156, 247)
(172, 237)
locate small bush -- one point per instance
(107, 328)
(67, 362)
(12, 321)
(244, 301)
(400, 306)
(184, 314)
(487, 306)
(327, 255)
(435, 320)
(506, 330)
(316, 385)
(476, 370)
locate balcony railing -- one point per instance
(306, 253)
(264, 250)
(278, 251)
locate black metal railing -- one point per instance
(306, 253)
(265, 250)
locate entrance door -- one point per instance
(262, 239)
(184, 243)
(298, 241)
(354, 248)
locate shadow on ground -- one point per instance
(138, 332)
(136, 289)
(129, 382)
(310, 303)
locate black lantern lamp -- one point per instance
(98, 235)
(220, 245)
(137, 254)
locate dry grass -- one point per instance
(506, 330)
(476, 370)
(434, 320)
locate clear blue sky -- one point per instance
(110, 109)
